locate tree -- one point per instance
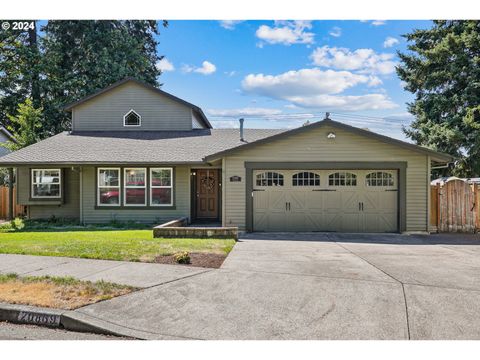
(442, 70)
(20, 66)
(24, 126)
(82, 57)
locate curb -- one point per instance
(65, 319)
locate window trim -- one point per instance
(151, 187)
(125, 187)
(128, 113)
(354, 177)
(33, 183)
(118, 186)
(281, 177)
(316, 177)
(390, 177)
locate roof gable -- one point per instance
(194, 108)
(437, 156)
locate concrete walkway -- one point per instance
(120, 272)
(308, 286)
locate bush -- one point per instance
(182, 257)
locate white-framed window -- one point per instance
(306, 178)
(46, 183)
(108, 183)
(342, 178)
(269, 178)
(379, 178)
(161, 186)
(132, 118)
(135, 186)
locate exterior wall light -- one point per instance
(331, 135)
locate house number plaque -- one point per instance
(235, 178)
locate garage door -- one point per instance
(325, 200)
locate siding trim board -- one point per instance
(400, 166)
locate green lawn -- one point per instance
(128, 245)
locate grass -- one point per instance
(126, 245)
(57, 292)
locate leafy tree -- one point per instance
(20, 66)
(24, 126)
(442, 69)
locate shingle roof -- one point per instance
(138, 147)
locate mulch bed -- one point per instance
(206, 260)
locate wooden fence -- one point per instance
(19, 209)
(455, 206)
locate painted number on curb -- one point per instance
(28, 317)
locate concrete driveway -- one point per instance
(318, 286)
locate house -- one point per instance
(5, 136)
(138, 153)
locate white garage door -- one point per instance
(325, 200)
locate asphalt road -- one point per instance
(10, 331)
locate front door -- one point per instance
(207, 194)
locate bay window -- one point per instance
(161, 188)
(108, 186)
(46, 183)
(135, 192)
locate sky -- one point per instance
(279, 74)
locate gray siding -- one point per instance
(314, 146)
(68, 207)
(91, 214)
(105, 112)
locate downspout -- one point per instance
(81, 195)
(11, 214)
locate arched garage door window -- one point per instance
(379, 178)
(306, 179)
(270, 178)
(342, 178)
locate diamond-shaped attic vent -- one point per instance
(131, 119)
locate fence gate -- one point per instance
(456, 207)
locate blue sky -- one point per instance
(278, 74)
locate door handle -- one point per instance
(289, 206)
(286, 206)
(359, 207)
(362, 206)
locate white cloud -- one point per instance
(247, 111)
(230, 73)
(315, 88)
(378, 22)
(207, 68)
(226, 124)
(345, 102)
(336, 32)
(286, 33)
(165, 65)
(374, 81)
(229, 24)
(361, 60)
(302, 82)
(390, 41)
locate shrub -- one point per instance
(182, 257)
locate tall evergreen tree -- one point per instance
(20, 66)
(442, 69)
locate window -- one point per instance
(342, 179)
(46, 183)
(161, 193)
(132, 119)
(108, 187)
(306, 179)
(270, 178)
(135, 193)
(379, 178)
